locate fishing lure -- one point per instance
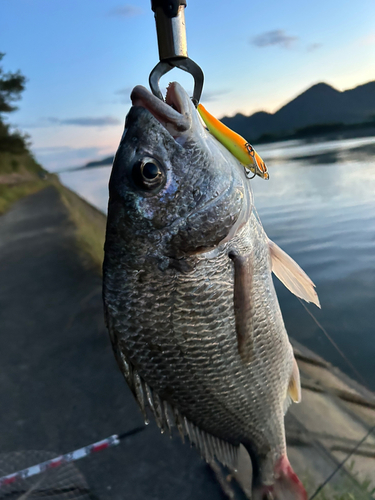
(237, 145)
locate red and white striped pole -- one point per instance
(67, 458)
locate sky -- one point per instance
(83, 57)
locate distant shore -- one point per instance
(314, 133)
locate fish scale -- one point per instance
(189, 299)
(200, 342)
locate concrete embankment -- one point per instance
(335, 414)
(327, 428)
(60, 388)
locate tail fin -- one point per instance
(287, 486)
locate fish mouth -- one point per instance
(174, 114)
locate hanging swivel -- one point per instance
(171, 32)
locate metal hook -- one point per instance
(184, 63)
(171, 31)
(247, 173)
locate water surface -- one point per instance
(319, 206)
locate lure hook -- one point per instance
(248, 172)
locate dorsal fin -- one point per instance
(291, 275)
(294, 388)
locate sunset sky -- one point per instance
(82, 58)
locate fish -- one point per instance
(235, 143)
(189, 299)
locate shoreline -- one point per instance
(333, 135)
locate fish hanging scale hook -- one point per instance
(171, 32)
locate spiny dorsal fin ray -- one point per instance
(291, 275)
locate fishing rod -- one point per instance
(67, 458)
(171, 33)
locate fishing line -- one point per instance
(350, 364)
(321, 327)
(359, 376)
(334, 344)
(341, 464)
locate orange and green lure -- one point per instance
(237, 145)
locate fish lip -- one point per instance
(174, 114)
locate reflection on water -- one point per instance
(319, 206)
(322, 212)
(320, 158)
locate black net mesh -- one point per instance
(63, 483)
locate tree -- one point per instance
(11, 87)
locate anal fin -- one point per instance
(294, 388)
(291, 275)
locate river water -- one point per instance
(319, 206)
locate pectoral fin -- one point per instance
(291, 275)
(243, 305)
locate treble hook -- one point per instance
(248, 172)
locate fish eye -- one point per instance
(148, 174)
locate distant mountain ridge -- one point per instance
(321, 108)
(321, 104)
(100, 163)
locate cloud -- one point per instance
(124, 93)
(99, 121)
(67, 150)
(208, 95)
(213, 95)
(125, 11)
(313, 46)
(89, 121)
(275, 37)
(56, 158)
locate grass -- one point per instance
(21, 164)
(21, 175)
(90, 226)
(89, 222)
(342, 487)
(10, 193)
(29, 178)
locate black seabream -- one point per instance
(189, 300)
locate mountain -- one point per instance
(321, 104)
(321, 109)
(100, 163)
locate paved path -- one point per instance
(59, 386)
